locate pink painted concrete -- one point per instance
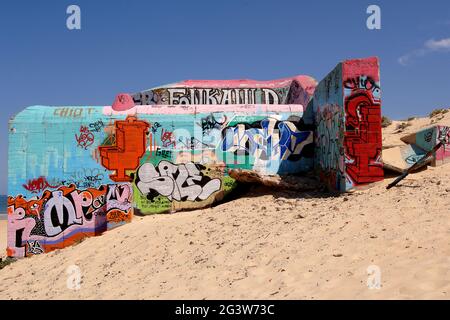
(123, 102)
(192, 109)
(306, 82)
(293, 90)
(443, 153)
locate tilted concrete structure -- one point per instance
(417, 145)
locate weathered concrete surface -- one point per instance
(346, 112)
(276, 181)
(79, 171)
(294, 90)
(428, 138)
(401, 158)
(417, 145)
(268, 244)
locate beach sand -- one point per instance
(265, 245)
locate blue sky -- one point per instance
(126, 46)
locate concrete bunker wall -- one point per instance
(346, 113)
(294, 90)
(79, 171)
(75, 172)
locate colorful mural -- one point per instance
(63, 216)
(329, 148)
(443, 153)
(269, 142)
(79, 171)
(186, 162)
(346, 111)
(128, 149)
(295, 90)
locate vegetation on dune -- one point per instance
(437, 112)
(403, 125)
(385, 122)
(7, 261)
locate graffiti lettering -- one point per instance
(155, 127)
(210, 96)
(444, 134)
(364, 83)
(34, 247)
(85, 139)
(166, 154)
(329, 138)
(85, 178)
(174, 96)
(72, 112)
(50, 221)
(54, 214)
(168, 139)
(119, 204)
(19, 226)
(193, 143)
(118, 216)
(266, 140)
(96, 126)
(176, 182)
(443, 153)
(38, 185)
(363, 130)
(209, 123)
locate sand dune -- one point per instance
(265, 245)
(392, 134)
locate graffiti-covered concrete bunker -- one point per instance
(75, 172)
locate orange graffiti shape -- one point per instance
(117, 215)
(129, 149)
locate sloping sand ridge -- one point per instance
(268, 245)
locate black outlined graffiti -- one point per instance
(34, 247)
(210, 122)
(56, 217)
(363, 82)
(85, 178)
(96, 126)
(174, 96)
(268, 139)
(176, 182)
(192, 143)
(155, 127)
(428, 136)
(166, 154)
